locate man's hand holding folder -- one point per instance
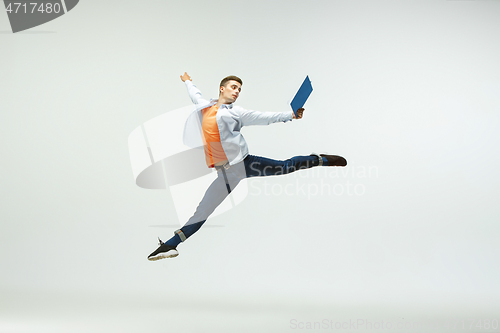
(300, 112)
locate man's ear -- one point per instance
(221, 89)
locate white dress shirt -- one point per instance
(230, 119)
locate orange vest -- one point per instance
(211, 137)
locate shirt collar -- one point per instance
(214, 101)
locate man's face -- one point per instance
(230, 91)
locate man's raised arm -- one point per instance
(193, 91)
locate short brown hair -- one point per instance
(229, 78)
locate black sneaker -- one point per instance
(164, 251)
(333, 160)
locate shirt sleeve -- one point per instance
(249, 117)
(194, 93)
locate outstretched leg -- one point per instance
(257, 166)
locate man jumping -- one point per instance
(220, 122)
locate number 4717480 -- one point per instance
(24, 8)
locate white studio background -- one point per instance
(407, 91)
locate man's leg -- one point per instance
(257, 166)
(226, 181)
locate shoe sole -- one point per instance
(163, 255)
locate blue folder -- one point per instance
(302, 95)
